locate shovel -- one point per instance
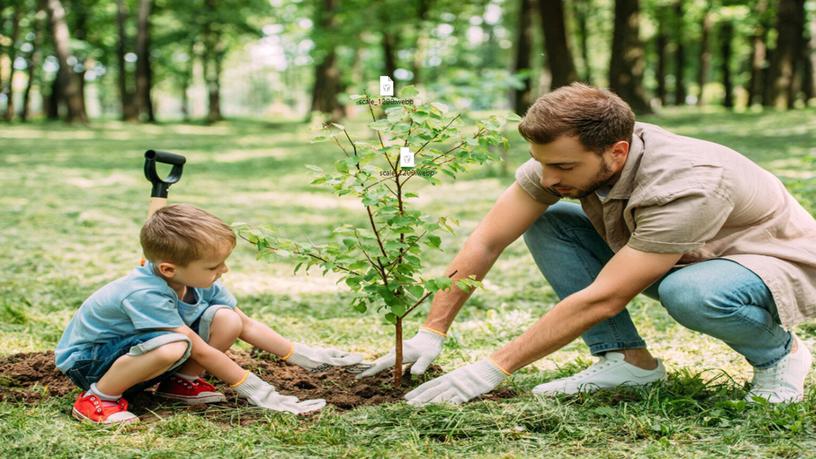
(158, 194)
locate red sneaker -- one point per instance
(89, 407)
(190, 392)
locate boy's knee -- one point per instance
(226, 322)
(171, 352)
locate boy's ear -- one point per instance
(166, 269)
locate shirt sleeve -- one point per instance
(684, 217)
(151, 309)
(218, 294)
(528, 176)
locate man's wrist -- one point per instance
(434, 331)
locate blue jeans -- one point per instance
(96, 361)
(717, 297)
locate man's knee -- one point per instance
(550, 224)
(226, 322)
(694, 305)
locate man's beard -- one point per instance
(603, 177)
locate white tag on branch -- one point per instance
(406, 158)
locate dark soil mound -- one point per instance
(30, 377)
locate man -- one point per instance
(715, 238)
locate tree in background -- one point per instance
(522, 96)
(559, 56)
(627, 61)
(790, 27)
(67, 80)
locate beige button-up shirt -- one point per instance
(682, 195)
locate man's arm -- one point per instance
(509, 218)
(628, 273)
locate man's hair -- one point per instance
(181, 233)
(596, 116)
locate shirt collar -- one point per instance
(622, 189)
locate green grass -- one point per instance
(74, 198)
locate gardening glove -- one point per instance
(319, 359)
(420, 350)
(459, 385)
(260, 393)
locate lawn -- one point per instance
(74, 198)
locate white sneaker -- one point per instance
(785, 381)
(610, 371)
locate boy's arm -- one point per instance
(213, 360)
(311, 358)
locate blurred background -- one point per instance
(204, 60)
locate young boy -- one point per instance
(170, 320)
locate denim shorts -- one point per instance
(94, 362)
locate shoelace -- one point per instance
(596, 367)
(767, 377)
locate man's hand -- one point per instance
(420, 350)
(319, 359)
(262, 394)
(460, 385)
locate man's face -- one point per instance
(570, 170)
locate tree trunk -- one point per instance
(15, 34)
(679, 55)
(327, 80)
(389, 48)
(522, 97)
(790, 25)
(705, 55)
(129, 109)
(144, 73)
(34, 61)
(186, 79)
(62, 40)
(758, 51)
(661, 43)
(580, 10)
(211, 60)
(398, 353)
(559, 57)
(54, 99)
(809, 64)
(423, 8)
(627, 62)
(726, 35)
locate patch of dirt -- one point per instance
(30, 377)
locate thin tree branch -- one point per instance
(424, 297)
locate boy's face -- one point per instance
(201, 273)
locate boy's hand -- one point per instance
(319, 359)
(262, 394)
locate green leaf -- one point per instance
(408, 91)
(320, 138)
(314, 168)
(512, 117)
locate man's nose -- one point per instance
(549, 181)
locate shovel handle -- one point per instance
(161, 185)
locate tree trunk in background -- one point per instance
(758, 51)
(726, 36)
(809, 64)
(9, 89)
(212, 71)
(129, 110)
(389, 48)
(580, 10)
(80, 33)
(327, 81)
(705, 55)
(522, 97)
(559, 57)
(627, 61)
(71, 84)
(661, 42)
(423, 8)
(144, 73)
(790, 25)
(186, 79)
(34, 60)
(679, 55)
(54, 99)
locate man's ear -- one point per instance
(619, 152)
(166, 269)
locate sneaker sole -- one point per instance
(194, 400)
(81, 417)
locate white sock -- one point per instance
(187, 377)
(110, 398)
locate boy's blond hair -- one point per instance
(181, 233)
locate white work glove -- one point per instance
(260, 393)
(420, 350)
(458, 386)
(319, 359)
